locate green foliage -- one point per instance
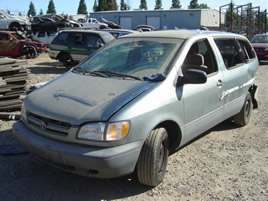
(204, 6)
(82, 8)
(31, 11)
(176, 4)
(123, 5)
(158, 4)
(193, 4)
(111, 5)
(41, 12)
(105, 5)
(20, 14)
(143, 5)
(51, 7)
(95, 6)
(102, 5)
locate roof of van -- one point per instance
(179, 33)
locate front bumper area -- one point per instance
(99, 162)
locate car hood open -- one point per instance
(77, 99)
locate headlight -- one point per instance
(104, 132)
(23, 112)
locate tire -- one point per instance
(15, 26)
(243, 117)
(152, 163)
(66, 60)
(30, 52)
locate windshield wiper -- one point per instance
(80, 69)
(93, 73)
(111, 73)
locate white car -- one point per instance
(44, 36)
(12, 23)
(94, 23)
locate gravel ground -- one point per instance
(226, 163)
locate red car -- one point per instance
(13, 44)
(260, 44)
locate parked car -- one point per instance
(260, 44)
(138, 99)
(94, 23)
(120, 32)
(44, 36)
(51, 23)
(71, 46)
(13, 44)
(12, 23)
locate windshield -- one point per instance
(260, 39)
(139, 57)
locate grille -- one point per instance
(50, 126)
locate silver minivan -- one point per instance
(136, 100)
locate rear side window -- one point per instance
(230, 52)
(62, 39)
(247, 49)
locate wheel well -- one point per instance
(174, 134)
(14, 23)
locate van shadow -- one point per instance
(48, 68)
(47, 183)
(24, 176)
(225, 125)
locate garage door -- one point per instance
(126, 22)
(154, 21)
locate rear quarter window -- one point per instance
(247, 49)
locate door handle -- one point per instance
(219, 83)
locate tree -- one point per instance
(204, 6)
(31, 11)
(111, 5)
(20, 14)
(143, 5)
(82, 8)
(123, 5)
(193, 4)
(51, 7)
(158, 4)
(176, 4)
(102, 6)
(41, 12)
(95, 6)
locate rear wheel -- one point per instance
(242, 118)
(66, 60)
(152, 163)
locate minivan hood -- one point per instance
(77, 99)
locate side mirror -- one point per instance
(192, 76)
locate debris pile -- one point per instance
(13, 76)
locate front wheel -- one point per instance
(152, 163)
(242, 118)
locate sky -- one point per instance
(71, 6)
